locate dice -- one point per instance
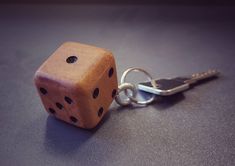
(77, 84)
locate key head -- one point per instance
(77, 83)
(165, 87)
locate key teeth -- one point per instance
(213, 71)
(203, 75)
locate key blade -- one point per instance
(201, 76)
(166, 87)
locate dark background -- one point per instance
(125, 2)
(167, 38)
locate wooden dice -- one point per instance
(77, 83)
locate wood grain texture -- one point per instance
(81, 92)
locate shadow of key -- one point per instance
(162, 102)
(166, 102)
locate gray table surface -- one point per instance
(193, 128)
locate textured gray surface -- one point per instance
(194, 128)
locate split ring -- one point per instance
(132, 97)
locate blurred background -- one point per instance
(156, 2)
(168, 38)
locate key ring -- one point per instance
(132, 87)
(132, 98)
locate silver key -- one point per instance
(166, 87)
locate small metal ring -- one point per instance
(132, 97)
(124, 87)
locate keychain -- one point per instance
(78, 82)
(159, 87)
